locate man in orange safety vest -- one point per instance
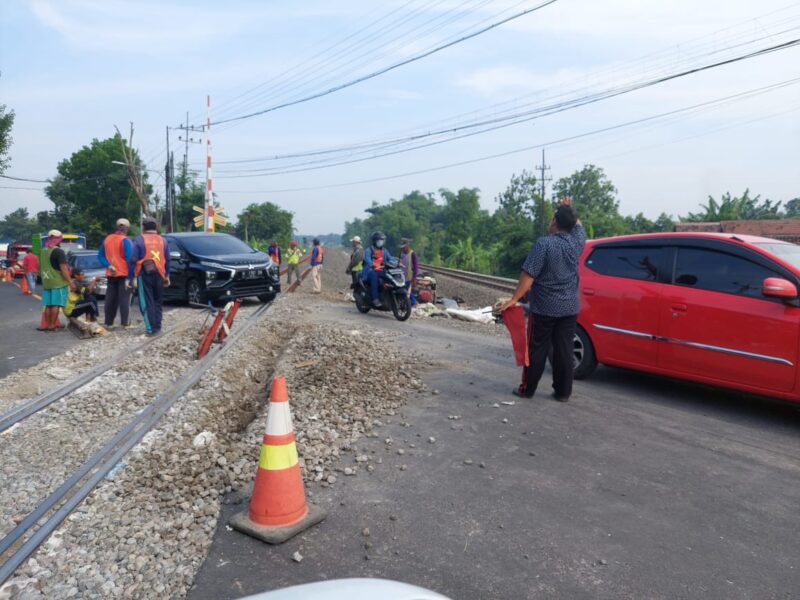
(151, 256)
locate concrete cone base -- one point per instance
(276, 535)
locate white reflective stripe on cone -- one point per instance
(279, 419)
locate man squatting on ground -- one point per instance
(80, 299)
(551, 274)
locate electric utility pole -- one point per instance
(543, 168)
(186, 129)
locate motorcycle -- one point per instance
(391, 293)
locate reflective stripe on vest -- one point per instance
(153, 252)
(113, 246)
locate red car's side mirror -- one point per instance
(777, 287)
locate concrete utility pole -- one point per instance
(186, 129)
(543, 168)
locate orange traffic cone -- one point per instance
(24, 285)
(43, 321)
(278, 508)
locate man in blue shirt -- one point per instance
(551, 274)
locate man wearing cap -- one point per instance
(410, 265)
(56, 279)
(115, 254)
(356, 259)
(151, 257)
(293, 255)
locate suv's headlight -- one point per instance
(273, 270)
(210, 276)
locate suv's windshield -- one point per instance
(788, 252)
(215, 243)
(88, 262)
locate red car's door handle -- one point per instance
(680, 307)
(588, 292)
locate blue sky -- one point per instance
(72, 69)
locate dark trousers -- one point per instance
(151, 300)
(374, 278)
(117, 297)
(87, 306)
(545, 333)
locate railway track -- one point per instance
(498, 283)
(37, 526)
(25, 410)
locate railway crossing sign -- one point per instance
(215, 217)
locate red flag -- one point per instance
(514, 318)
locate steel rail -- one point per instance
(109, 456)
(25, 410)
(492, 281)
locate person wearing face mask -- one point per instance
(375, 259)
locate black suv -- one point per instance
(217, 266)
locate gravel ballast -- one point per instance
(146, 529)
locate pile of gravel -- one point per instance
(145, 531)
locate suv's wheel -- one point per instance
(585, 361)
(195, 294)
(267, 297)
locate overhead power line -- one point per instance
(510, 111)
(392, 67)
(494, 124)
(563, 140)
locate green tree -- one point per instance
(463, 254)
(462, 214)
(732, 208)
(6, 123)
(793, 208)
(265, 221)
(595, 199)
(90, 192)
(415, 215)
(17, 225)
(517, 222)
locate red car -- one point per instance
(720, 309)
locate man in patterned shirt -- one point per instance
(550, 273)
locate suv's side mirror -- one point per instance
(777, 287)
(175, 255)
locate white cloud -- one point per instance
(149, 27)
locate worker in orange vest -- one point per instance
(115, 254)
(274, 252)
(151, 257)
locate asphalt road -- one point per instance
(22, 345)
(639, 487)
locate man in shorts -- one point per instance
(56, 280)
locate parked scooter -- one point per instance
(391, 289)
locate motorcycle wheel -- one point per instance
(361, 302)
(401, 307)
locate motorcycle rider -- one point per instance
(375, 259)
